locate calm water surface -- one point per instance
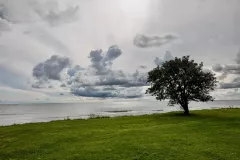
(26, 113)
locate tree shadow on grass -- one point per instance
(205, 115)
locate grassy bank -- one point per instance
(205, 135)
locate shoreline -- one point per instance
(97, 116)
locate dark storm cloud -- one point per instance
(51, 68)
(167, 57)
(143, 41)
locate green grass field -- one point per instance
(205, 135)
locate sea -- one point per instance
(20, 113)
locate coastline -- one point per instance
(101, 116)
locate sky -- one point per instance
(72, 50)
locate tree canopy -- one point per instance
(181, 80)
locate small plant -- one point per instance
(231, 106)
(68, 118)
(93, 116)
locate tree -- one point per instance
(181, 80)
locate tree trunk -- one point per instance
(185, 107)
(186, 110)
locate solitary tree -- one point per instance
(181, 80)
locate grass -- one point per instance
(205, 135)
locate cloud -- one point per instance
(63, 85)
(229, 69)
(19, 12)
(226, 70)
(217, 68)
(51, 68)
(143, 41)
(106, 92)
(223, 76)
(237, 79)
(41, 83)
(167, 57)
(96, 59)
(27, 11)
(50, 86)
(234, 84)
(114, 79)
(56, 17)
(41, 28)
(91, 92)
(4, 13)
(232, 69)
(72, 71)
(230, 85)
(112, 53)
(97, 80)
(115, 83)
(102, 62)
(5, 23)
(142, 66)
(118, 78)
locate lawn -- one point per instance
(205, 135)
